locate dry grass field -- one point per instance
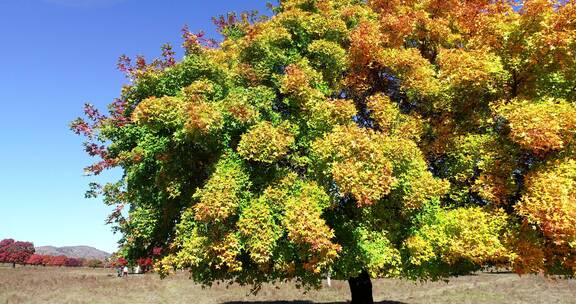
(82, 285)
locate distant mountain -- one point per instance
(85, 252)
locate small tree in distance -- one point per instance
(15, 252)
(35, 259)
(94, 263)
(144, 263)
(411, 139)
(73, 262)
(46, 260)
(58, 261)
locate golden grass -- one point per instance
(84, 285)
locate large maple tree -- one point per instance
(414, 139)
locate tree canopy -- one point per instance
(15, 252)
(414, 139)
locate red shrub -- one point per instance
(35, 259)
(58, 260)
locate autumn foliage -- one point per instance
(35, 259)
(23, 253)
(414, 139)
(15, 252)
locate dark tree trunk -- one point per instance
(13, 265)
(361, 289)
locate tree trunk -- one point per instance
(361, 289)
(13, 265)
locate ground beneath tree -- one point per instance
(83, 285)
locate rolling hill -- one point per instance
(85, 252)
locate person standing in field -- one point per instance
(125, 271)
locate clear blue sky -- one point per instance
(57, 55)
